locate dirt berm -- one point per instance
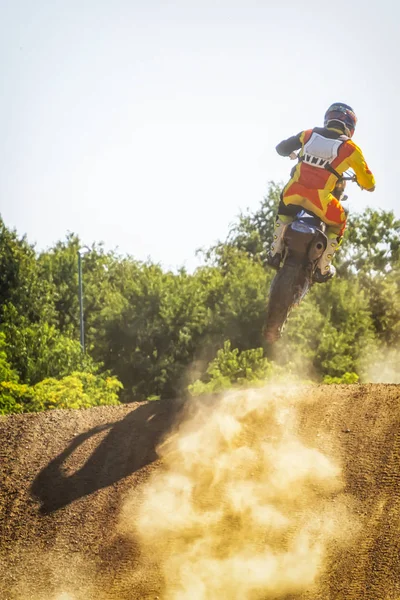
(65, 477)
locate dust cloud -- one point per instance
(242, 508)
(382, 366)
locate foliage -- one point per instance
(39, 350)
(79, 390)
(153, 337)
(347, 378)
(232, 368)
(7, 373)
(103, 277)
(372, 243)
(170, 321)
(347, 327)
(15, 397)
(21, 284)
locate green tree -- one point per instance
(39, 350)
(21, 285)
(347, 327)
(371, 244)
(154, 336)
(102, 275)
(237, 296)
(383, 293)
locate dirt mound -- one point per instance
(65, 476)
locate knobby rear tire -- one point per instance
(285, 290)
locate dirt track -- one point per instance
(64, 475)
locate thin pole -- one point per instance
(81, 301)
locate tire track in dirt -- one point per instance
(64, 476)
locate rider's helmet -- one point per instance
(342, 113)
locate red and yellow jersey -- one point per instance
(322, 151)
(325, 154)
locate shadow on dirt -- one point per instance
(130, 445)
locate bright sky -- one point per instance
(149, 125)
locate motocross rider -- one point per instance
(325, 154)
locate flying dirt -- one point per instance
(241, 507)
(265, 494)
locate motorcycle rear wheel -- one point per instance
(286, 290)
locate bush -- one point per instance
(14, 397)
(38, 350)
(7, 373)
(347, 378)
(231, 368)
(79, 390)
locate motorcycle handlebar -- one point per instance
(349, 178)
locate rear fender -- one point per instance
(298, 238)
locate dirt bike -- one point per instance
(305, 241)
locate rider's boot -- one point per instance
(325, 270)
(274, 255)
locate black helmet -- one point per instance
(342, 113)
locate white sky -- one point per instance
(149, 125)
